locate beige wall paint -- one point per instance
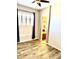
(55, 25)
(37, 31)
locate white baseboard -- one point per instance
(54, 46)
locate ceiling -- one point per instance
(32, 5)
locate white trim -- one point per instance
(54, 46)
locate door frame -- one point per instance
(49, 23)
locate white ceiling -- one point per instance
(32, 5)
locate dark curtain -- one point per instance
(33, 31)
(18, 39)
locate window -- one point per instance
(25, 18)
(21, 19)
(29, 19)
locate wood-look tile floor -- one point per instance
(37, 49)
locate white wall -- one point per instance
(36, 20)
(55, 23)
